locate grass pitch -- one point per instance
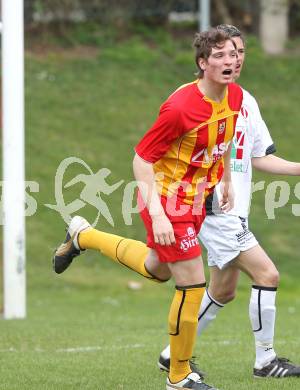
(86, 329)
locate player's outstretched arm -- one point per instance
(276, 165)
(162, 228)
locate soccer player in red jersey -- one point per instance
(177, 163)
(232, 247)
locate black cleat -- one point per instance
(69, 249)
(278, 368)
(192, 381)
(164, 365)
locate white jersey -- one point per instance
(252, 139)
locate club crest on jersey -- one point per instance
(221, 127)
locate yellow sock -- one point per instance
(183, 320)
(130, 253)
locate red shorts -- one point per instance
(186, 228)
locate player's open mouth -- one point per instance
(227, 72)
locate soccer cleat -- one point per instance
(164, 365)
(192, 381)
(69, 249)
(278, 368)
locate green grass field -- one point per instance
(86, 329)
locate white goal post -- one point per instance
(204, 14)
(13, 184)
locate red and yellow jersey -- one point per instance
(188, 139)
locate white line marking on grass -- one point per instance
(77, 349)
(228, 342)
(121, 347)
(99, 348)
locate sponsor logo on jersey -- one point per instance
(204, 157)
(237, 151)
(237, 166)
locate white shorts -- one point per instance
(225, 236)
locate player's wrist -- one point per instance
(157, 215)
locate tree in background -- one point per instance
(294, 17)
(271, 20)
(274, 26)
(103, 11)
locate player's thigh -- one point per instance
(224, 237)
(188, 272)
(258, 266)
(223, 283)
(156, 267)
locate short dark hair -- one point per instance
(231, 30)
(205, 41)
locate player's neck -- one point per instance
(212, 90)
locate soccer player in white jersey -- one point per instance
(232, 247)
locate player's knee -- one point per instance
(162, 279)
(228, 296)
(162, 275)
(273, 278)
(225, 296)
(159, 271)
(269, 278)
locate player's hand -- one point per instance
(227, 196)
(162, 230)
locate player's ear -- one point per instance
(202, 63)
